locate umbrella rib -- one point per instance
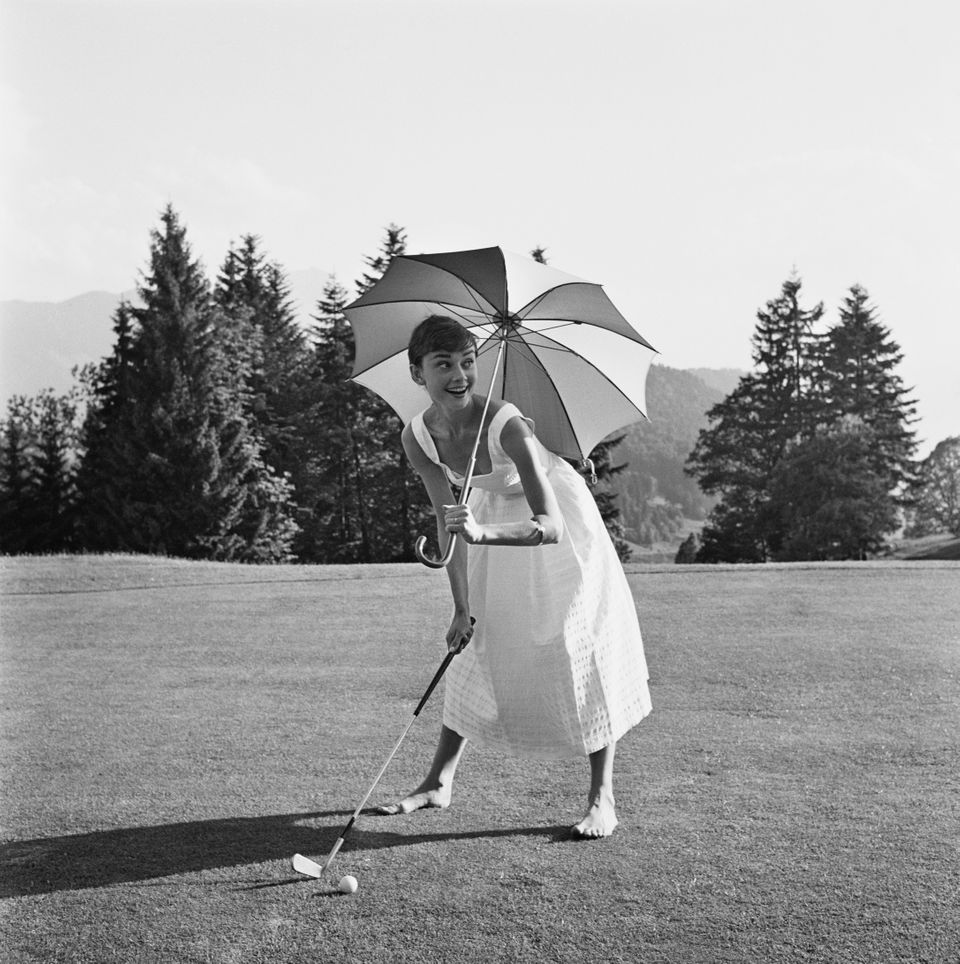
(563, 405)
(568, 351)
(527, 308)
(463, 319)
(560, 323)
(452, 274)
(473, 295)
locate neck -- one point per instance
(460, 420)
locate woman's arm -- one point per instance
(545, 527)
(438, 489)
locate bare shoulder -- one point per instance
(518, 440)
(516, 427)
(411, 446)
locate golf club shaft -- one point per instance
(393, 753)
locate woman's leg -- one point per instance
(436, 789)
(601, 818)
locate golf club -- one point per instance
(310, 868)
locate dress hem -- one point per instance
(565, 753)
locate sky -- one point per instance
(689, 155)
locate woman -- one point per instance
(555, 666)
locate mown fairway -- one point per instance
(173, 732)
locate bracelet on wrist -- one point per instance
(538, 533)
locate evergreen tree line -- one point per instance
(811, 455)
(218, 429)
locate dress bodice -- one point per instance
(503, 476)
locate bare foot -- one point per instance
(600, 821)
(425, 797)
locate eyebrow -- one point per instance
(449, 354)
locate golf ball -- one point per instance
(348, 884)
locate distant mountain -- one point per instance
(724, 380)
(42, 341)
(655, 494)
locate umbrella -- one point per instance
(551, 343)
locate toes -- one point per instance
(586, 833)
(592, 830)
(407, 805)
(417, 801)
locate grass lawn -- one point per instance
(173, 732)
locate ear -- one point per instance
(415, 374)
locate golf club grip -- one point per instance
(437, 676)
(433, 682)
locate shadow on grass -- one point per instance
(99, 859)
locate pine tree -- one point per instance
(383, 469)
(54, 468)
(267, 346)
(772, 407)
(339, 523)
(831, 501)
(606, 498)
(38, 460)
(687, 553)
(360, 466)
(859, 381)
(393, 244)
(172, 466)
(785, 353)
(731, 459)
(107, 423)
(16, 503)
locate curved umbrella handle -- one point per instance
(443, 561)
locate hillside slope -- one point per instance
(655, 495)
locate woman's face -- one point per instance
(448, 376)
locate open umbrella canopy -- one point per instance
(570, 360)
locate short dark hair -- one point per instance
(439, 333)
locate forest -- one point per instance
(219, 428)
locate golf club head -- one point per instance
(306, 866)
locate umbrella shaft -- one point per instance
(465, 491)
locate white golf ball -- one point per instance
(348, 884)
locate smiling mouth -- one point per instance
(457, 391)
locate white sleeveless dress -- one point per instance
(556, 666)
